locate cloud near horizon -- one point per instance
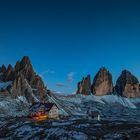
(47, 72)
(61, 85)
(70, 76)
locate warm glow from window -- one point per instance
(40, 117)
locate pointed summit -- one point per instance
(25, 67)
(23, 64)
(84, 87)
(129, 77)
(3, 69)
(9, 75)
(102, 83)
(127, 85)
(24, 81)
(10, 68)
(17, 66)
(25, 61)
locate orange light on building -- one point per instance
(40, 117)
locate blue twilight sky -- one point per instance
(68, 39)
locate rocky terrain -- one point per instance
(119, 106)
(69, 129)
(84, 87)
(21, 80)
(121, 122)
(127, 84)
(102, 83)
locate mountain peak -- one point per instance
(23, 77)
(127, 85)
(102, 83)
(129, 77)
(9, 67)
(124, 72)
(84, 86)
(3, 69)
(25, 60)
(103, 69)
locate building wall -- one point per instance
(54, 112)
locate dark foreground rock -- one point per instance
(23, 128)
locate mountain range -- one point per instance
(127, 84)
(118, 105)
(21, 80)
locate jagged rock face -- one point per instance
(9, 74)
(102, 83)
(17, 66)
(17, 87)
(37, 82)
(2, 73)
(127, 85)
(25, 67)
(24, 80)
(3, 69)
(84, 87)
(20, 87)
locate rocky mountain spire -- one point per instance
(2, 73)
(25, 67)
(23, 77)
(25, 61)
(127, 85)
(84, 87)
(3, 69)
(102, 83)
(17, 66)
(9, 75)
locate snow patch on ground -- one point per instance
(62, 123)
(13, 107)
(4, 85)
(114, 99)
(106, 99)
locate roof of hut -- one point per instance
(38, 105)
